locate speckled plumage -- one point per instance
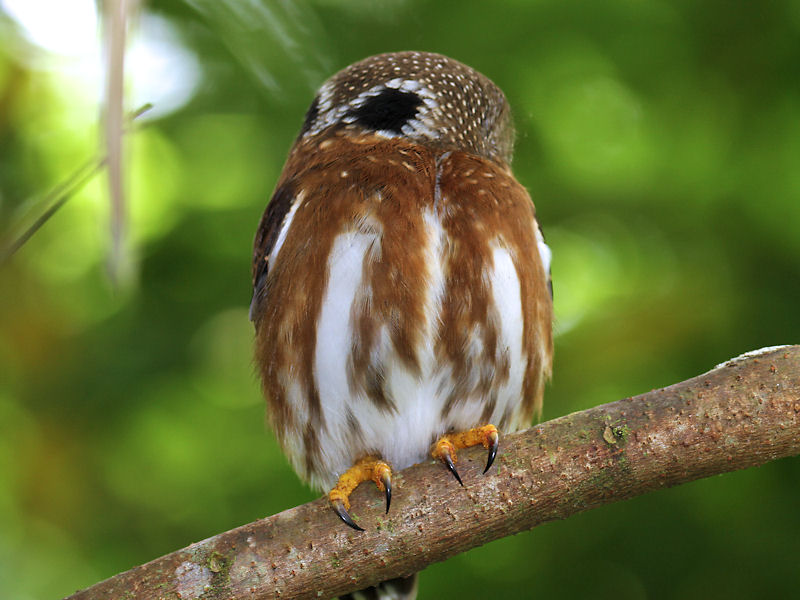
(401, 282)
(458, 108)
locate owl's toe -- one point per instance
(445, 448)
(492, 442)
(341, 511)
(366, 469)
(445, 451)
(386, 479)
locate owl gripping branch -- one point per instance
(401, 296)
(741, 414)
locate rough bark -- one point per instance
(741, 414)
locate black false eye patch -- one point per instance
(387, 111)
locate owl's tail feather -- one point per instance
(401, 588)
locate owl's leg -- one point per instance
(445, 448)
(366, 469)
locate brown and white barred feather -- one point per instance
(401, 281)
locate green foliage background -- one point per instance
(660, 142)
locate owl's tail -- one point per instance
(401, 588)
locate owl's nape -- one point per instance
(422, 97)
(401, 282)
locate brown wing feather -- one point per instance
(347, 184)
(483, 205)
(266, 236)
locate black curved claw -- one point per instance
(494, 442)
(339, 509)
(386, 479)
(449, 462)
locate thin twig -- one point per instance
(118, 14)
(741, 414)
(61, 193)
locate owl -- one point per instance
(402, 299)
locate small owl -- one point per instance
(402, 299)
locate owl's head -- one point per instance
(419, 96)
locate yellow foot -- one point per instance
(364, 470)
(445, 448)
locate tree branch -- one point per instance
(741, 414)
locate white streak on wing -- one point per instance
(297, 397)
(292, 436)
(287, 223)
(546, 256)
(544, 251)
(507, 296)
(416, 417)
(474, 352)
(436, 275)
(402, 437)
(335, 338)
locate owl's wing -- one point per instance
(269, 230)
(497, 282)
